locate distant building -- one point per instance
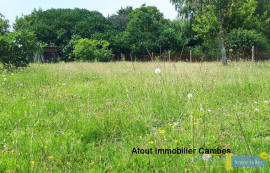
(50, 54)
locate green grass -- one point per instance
(88, 117)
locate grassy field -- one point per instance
(88, 117)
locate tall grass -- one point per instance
(88, 117)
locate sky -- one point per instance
(12, 8)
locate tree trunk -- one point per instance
(221, 36)
(222, 46)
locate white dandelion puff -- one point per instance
(255, 102)
(5, 79)
(201, 109)
(157, 71)
(256, 109)
(175, 123)
(64, 84)
(12, 74)
(209, 110)
(265, 101)
(189, 96)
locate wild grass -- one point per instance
(88, 117)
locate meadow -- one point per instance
(88, 117)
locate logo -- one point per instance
(217, 160)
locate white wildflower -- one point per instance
(201, 109)
(175, 123)
(5, 79)
(255, 102)
(209, 110)
(12, 74)
(157, 71)
(256, 109)
(189, 96)
(64, 84)
(265, 101)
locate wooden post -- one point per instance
(152, 56)
(253, 53)
(169, 56)
(190, 58)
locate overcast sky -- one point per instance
(12, 8)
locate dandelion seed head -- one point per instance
(5, 79)
(209, 110)
(265, 101)
(256, 109)
(157, 71)
(64, 84)
(255, 102)
(189, 96)
(201, 109)
(175, 123)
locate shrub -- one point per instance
(92, 50)
(240, 39)
(17, 49)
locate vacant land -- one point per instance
(88, 117)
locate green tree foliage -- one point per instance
(17, 49)
(121, 19)
(3, 25)
(58, 26)
(145, 29)
(242, 39)
(92, 50)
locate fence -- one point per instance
(188, 56)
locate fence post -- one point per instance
(169, 56)
(190, 58)
(152, 56)
(253, 53)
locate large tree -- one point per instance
(121, 19)
(59, 26)
(216, 18)
(3, 25)
(144, 29)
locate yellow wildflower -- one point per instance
(24, 98)
(32, 162)
(92, 163)
(175, 141)
(162, 131)
(50, 157)
(45, 147)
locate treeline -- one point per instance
(208, 28)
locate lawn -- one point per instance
(89, 117)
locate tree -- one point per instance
(59, 26)
(17, 49)
(216, 18)
(144, 30)
(3, 25)
(121, 19)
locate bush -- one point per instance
(92, 50)
(241, 39)
(208, 50)
(17, 49)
